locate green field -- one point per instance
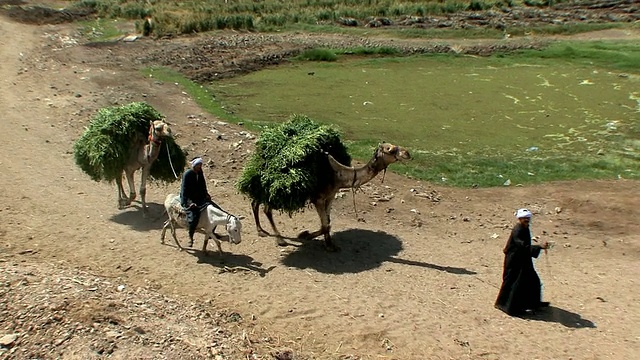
(469, 120)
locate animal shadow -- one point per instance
(132, 217)
(562, 316)
(229, 262)
(361, 250)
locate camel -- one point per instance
(143, 153)
(210, 218)
(344, 177)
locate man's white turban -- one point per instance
(196, 161)
(523, 213)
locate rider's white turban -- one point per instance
(196, 161)
(523, 213)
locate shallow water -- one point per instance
(447, 105)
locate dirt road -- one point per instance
(416, 278)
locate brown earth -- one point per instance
(416, 277)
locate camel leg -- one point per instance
(279, 240)
(143, 189)
(122, 198)
(255, 206)
(324, 209)
(326, 228)
(132, 190)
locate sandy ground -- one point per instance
(416, 278)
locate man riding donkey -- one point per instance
(194, 196)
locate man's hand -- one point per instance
(544, 245)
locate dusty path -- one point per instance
(406, 285)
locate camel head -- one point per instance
(159, 130)
(387, 154)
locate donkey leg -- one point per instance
(175, 238)
(206, 243)
(219, 246)
(164, 230)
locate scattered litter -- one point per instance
(130, 38)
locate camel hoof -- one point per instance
(331, 248)
(305, 235)
(281, 242)
(262, 233)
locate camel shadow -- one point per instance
(132, 217)
(361, 250)
(230, 263)
(562, 316)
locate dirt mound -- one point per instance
(224, 55)
(38, 15)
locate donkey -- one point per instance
(210, 218)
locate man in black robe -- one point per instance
(521, 288)
(194, 195)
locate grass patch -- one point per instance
(609, 55)
(310, 15)
(383, 50)
(318, 55)
(533, 117)
(100, 29)
(201, 94)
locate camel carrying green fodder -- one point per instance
(300, 162)
(123, 139)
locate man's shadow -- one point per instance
(562, 316)
(132, 217)
(360, 250)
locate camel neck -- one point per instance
(154, 149)
(363, 174)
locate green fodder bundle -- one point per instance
(105, 147)
(289, 166)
